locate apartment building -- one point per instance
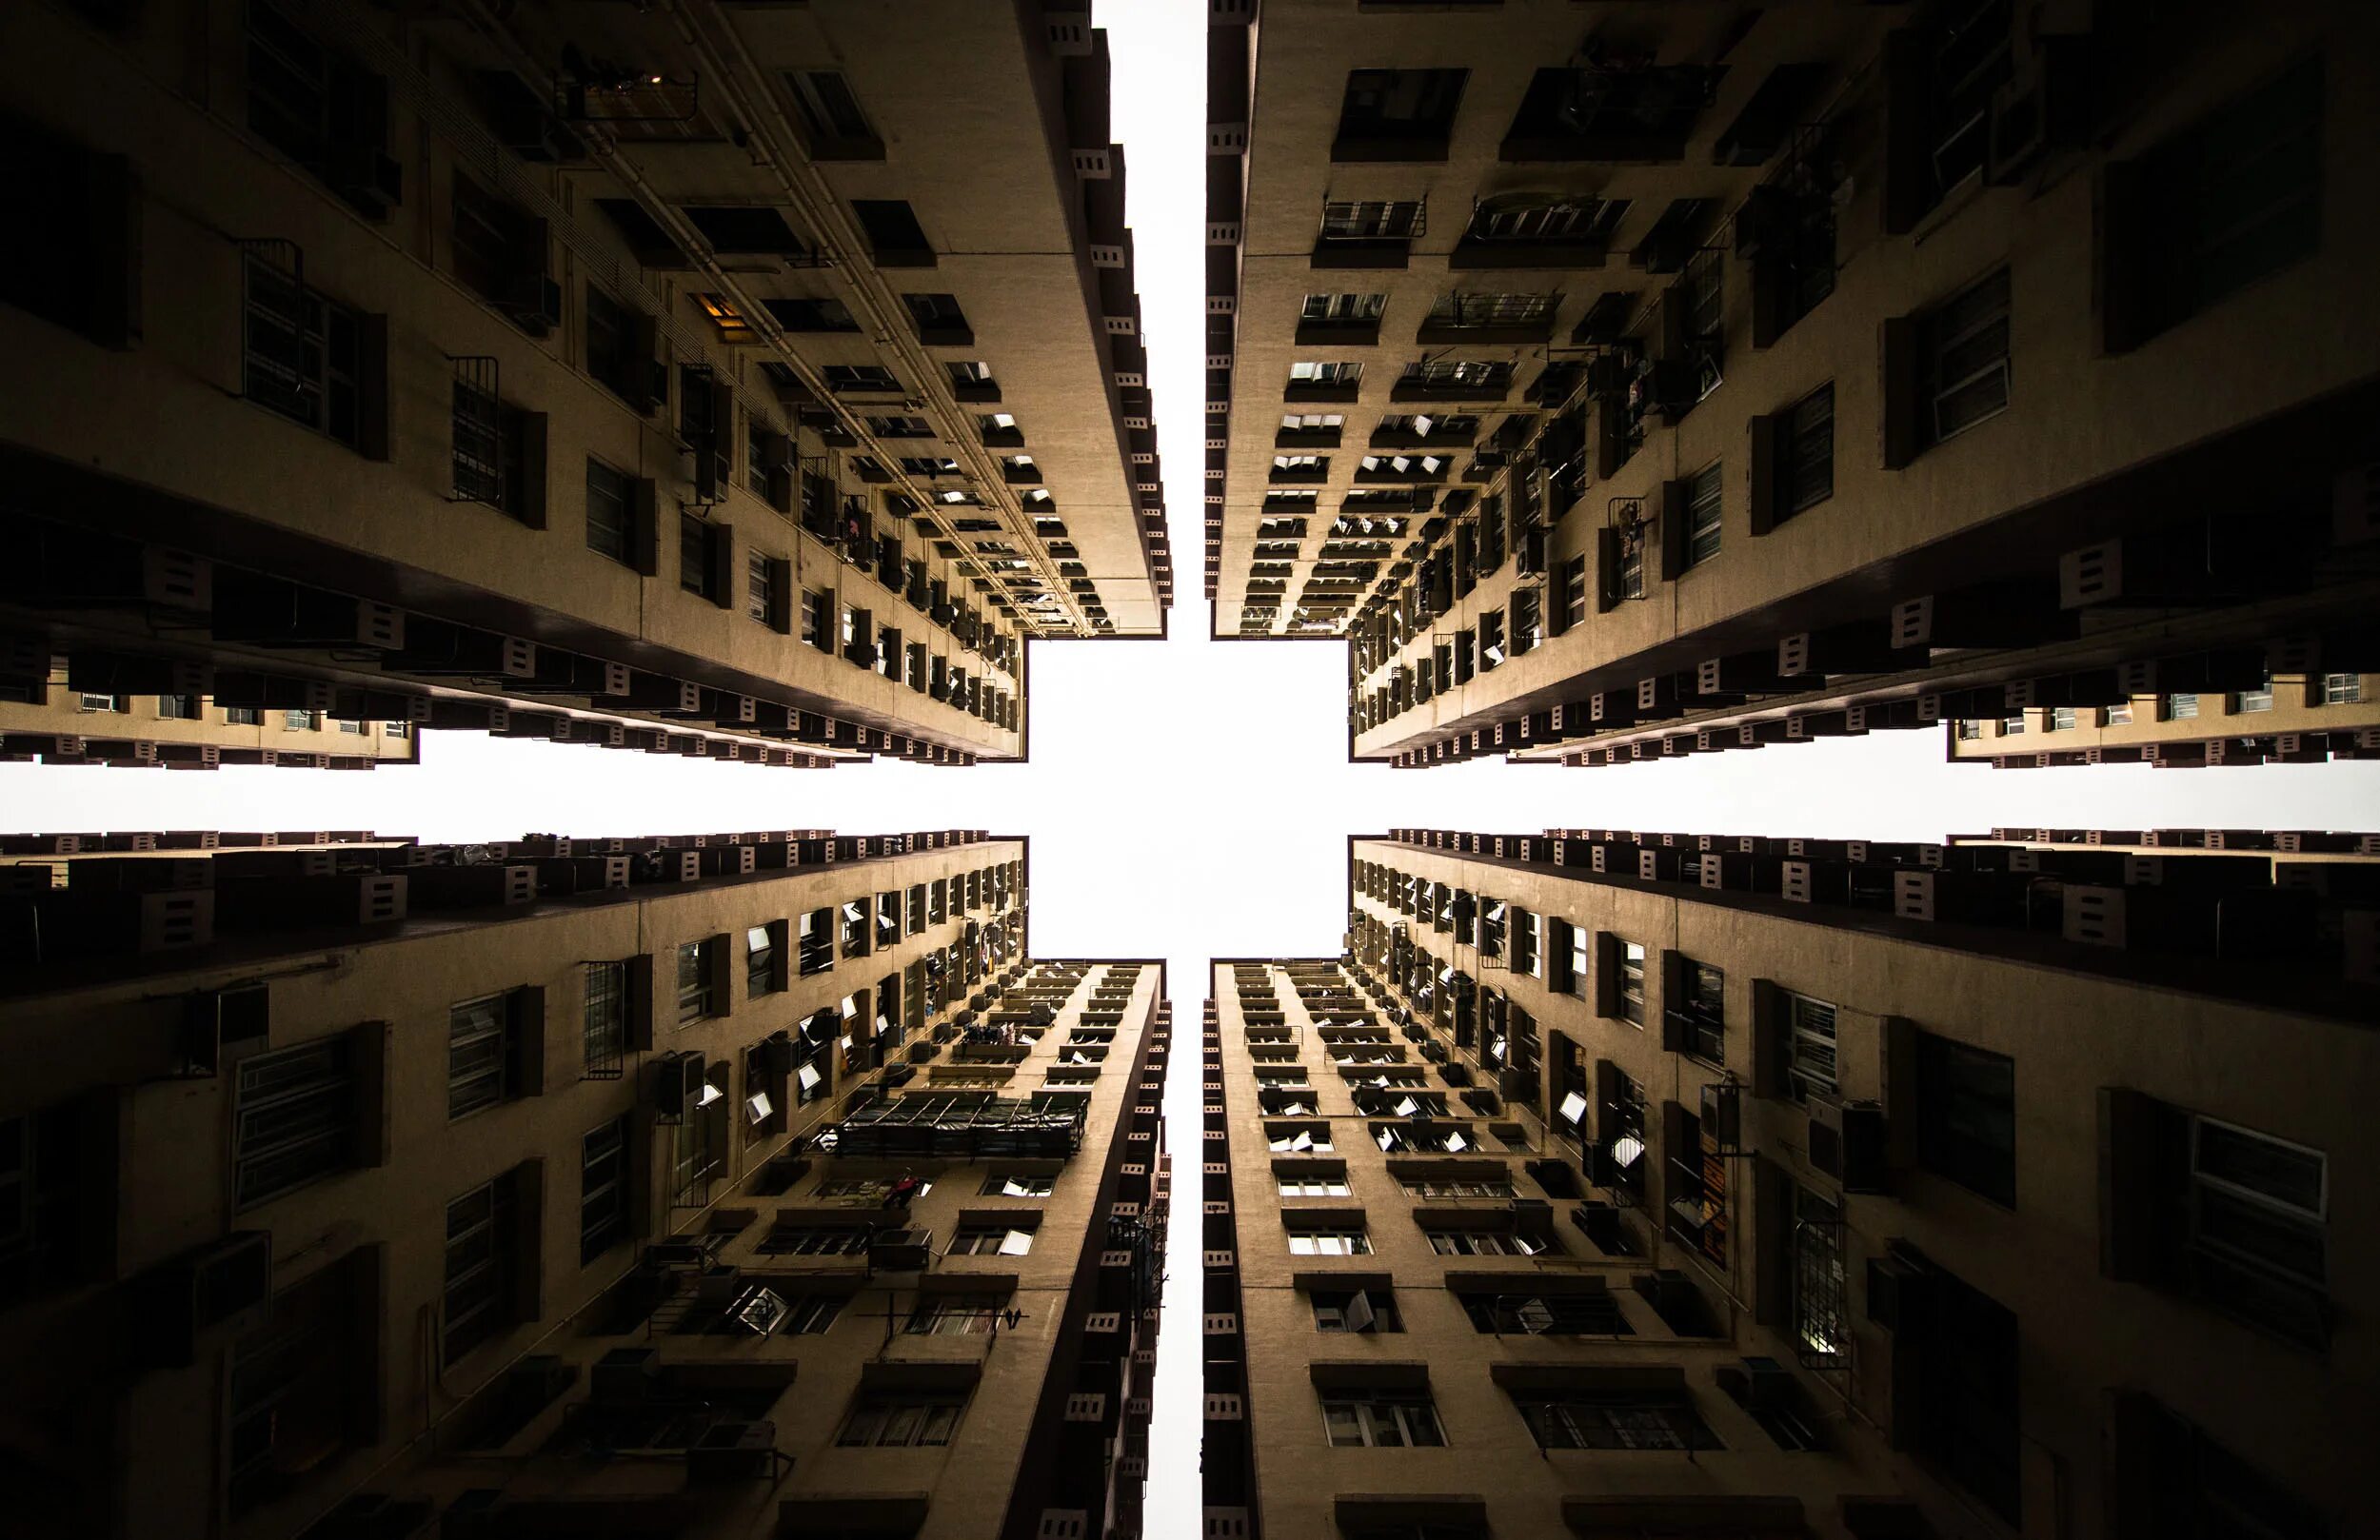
(743, 382)
(1629, 1184)
(1658, 380)
(741, 1185)
(2295, 719)
(50, 721)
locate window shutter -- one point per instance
(527, 1008)
(1674, 533)
(722, 552)
(372, 387)
(530, 501)
(1606, 1096)
(1674, 1039)
(781, 595)
(1907, 165)
(645, 527)
(639, 1002)
(111, 250)
(2144, 1155)
(367, 1070)
(1897, 346)
(2125, 232)
(1763, 475)
(647, 384)
(529, 1240)
(723, 979)
(1768, 1039)
(1606, 974)
(1679, 1146)
(1606, 569)
(1772, 1242)
(1769, 278)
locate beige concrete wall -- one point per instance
(2289, 1076)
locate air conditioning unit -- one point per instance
(1767, 1385)
(363, 176)
(777, 1054)
(679, 1083)
(1529, 551)
(1898, 1293)
(222, 1289)
(908, 1250)
(217, 1024)
(1847, 1142)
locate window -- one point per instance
(831, 118)
(1807, 447)
(698, 569)
(1382, 1420)
(1342, 309)
(873, 377)
(1630, 994)
(1615, 1420)
(1571, 595)
(293, 1382)
(612, 355)
(482, 1244)
(1554, 1315)
(1967, 1116)
(2218, 206)
(295, 1121)
(1962, 360)
(759, 587)
(610, 513)
(1019, 1184)
(1699, 1010)
(1703, 514)
(1398, 114)
(2258, 1211)
(814, 1240)
(178, 707)
(483, 1050)
(1313, 373)
(303, 353)
(1354, 1309)
(1524, 942)
(894, 235)
(1466, 376)
(979, 1239)
(1820, 1282)
(1394, 220)
(1312, 1238)
(936, 315)
(953, 1315)
(2342, 689)
(1460, 310)
(886, 1420)
(242, 717)
(1434, 1187)
(1312, 1184)
(2182, 705)
(295, 722)
(603, 1189)
(607, 1023)
(1482, 1243)
(698, 993)
(1809, 1046)
(1528, 629)
(812, 1313)
(1570, 959)
(2062, 718)
(764, 957)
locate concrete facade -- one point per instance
(714, 380)
(1833, 370)
(562, 1193)
(1721, 1201)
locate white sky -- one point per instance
(1187, 798)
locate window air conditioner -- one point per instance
(679, 1083)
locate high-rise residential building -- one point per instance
(49, 719)
(1633, 381)
(1629, 1184)
(745, 381)
(2294, 718)
(754, 1184)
